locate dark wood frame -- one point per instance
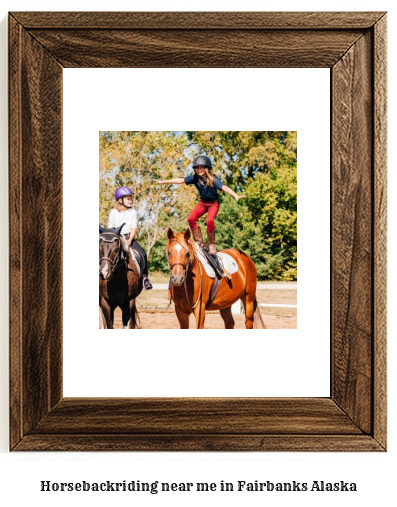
(353, 46)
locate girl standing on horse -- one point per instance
(207, 185)
(123, 213)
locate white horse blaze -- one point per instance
(105, 269)
(178, 247)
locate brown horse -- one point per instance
(191, 286)
(119, 281)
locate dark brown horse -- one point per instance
(119, 281)
(191, 286)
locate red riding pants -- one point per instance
(210, 207)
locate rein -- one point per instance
(185, 268)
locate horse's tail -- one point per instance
(258, 321)
(135, 320)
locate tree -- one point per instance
(263, 166)
(240, 155)
(136, 159)
(271, 208)
(260, 164)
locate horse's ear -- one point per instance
(170, 233)
(101, 229)
(118, 230)
(187, 235)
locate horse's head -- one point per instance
(110, 251)
(181, 254)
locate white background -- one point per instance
(214, 362)
(373, 472)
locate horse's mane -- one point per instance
(188, 244)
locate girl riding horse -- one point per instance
(123, 213)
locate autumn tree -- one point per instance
(136, 159)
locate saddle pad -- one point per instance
(136, 257)
(226, 260)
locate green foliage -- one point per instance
(271, 207)
(240, 155)
(261, 165)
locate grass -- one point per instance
(158, 277)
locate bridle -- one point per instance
(111, 237)
(185, 269)
(185, 266)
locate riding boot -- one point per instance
(198, 237)
(211, 242)
(212, 251)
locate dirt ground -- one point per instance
(158, 320)
(156, 312)
(214, 321)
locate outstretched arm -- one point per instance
(230, 192)
(175, 181)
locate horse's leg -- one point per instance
(183, 318)
(107, 312)
(134, 321)
(248, 302)
(112, 316)
(199, 313)
(226, 314)
(126, 315)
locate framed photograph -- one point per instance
(353, 46)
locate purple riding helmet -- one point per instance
(122, 192)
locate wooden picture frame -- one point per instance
(353, 46)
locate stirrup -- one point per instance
(147, 284)
(217, 262)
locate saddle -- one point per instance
(214, 262)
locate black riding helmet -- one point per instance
(202, 160)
